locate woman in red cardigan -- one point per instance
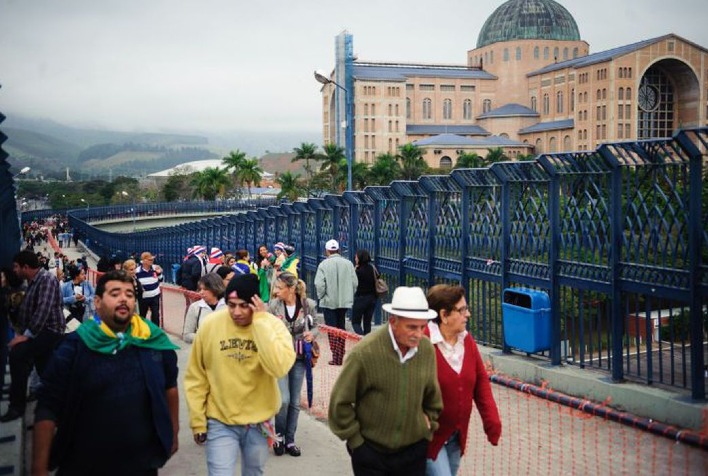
(463, 380)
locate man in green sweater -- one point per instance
(386, 401)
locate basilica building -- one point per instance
(530, 86)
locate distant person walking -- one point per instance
(365, 298)
(335, 283)
(150, 277)
(463, 381)
(386, 401)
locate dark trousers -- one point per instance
(409, 461)
(336, 318)
(153, 304)
(363, 313)
(23, 356)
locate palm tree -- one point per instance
(250, 172)
(307, 152)
(525, 157)
(334, 160)
(233, 163)
(360, 175)
(289, 186)
(413, 164)
(210, 182)
(384, 170)
(469, 160)
(494, 155)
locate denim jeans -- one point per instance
(448, 460)
(290, 389)
(226, 443)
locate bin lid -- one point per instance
(528, 298)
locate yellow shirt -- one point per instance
(232, 374)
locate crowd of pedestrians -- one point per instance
(402, 401)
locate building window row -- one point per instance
(624, 111)
(447, 87)
(623, 94)
(391, 126)
(601, 74)
(601, 132)
(426, 87)
(447, 111)
(369, 107)
(393, 91)
(583, 78)
(369, 90)
(393, 110)
(601, 94)
(624, 72)
(467, 88)
(624, 131)
(582, 134)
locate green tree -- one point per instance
(250, 172)
(413, 164)
(307, 152)
(333, 161)
(360, 175)
(525, 157)
(384, 170)
(289, 186)
(177, 187)
(469, 160)
(210, 183)
(494, 155)
(233, 163)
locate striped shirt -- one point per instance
(150, 280)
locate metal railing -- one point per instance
(616, 236)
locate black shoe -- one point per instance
(293, 450)
(11, 414)
(278, 448)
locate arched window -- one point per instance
(566, 144)
(599, 94)
(545, 53)
(539, 146)
(555, 53)
(373, 109)
(552, 145)
(559, 102)
(575, 52)
(533, 103)
(390, 126)
(506, 54)
(408, 108)
(535, 52)
(546, 104)
(486, 106)
(620, 94)
(396, 109)
(467, 109)
(572, 100)
(427, 108)
(518, 53)
(366, 109)
(397, 126)
(628, 94)
(446, 162)
(390, 109)
(565, 53)
(604, 93)
(447, 109)
(390, 146)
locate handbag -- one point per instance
(381, 286)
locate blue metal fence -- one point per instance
(616, 236)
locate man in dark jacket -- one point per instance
(193, 268)
(111, 384)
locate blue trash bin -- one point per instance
(526, 319)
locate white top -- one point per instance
(453, 354)
(411, 350)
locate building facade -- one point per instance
(530, 86)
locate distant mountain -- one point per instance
(50, 147)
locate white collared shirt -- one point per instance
(411, 350)
(453, 354)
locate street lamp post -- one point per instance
(20, 209)
(88, 206)
(322, 78)
(133, 211)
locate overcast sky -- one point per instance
(222, 65)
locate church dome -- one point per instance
(528, 20)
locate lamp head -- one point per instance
(322, 77)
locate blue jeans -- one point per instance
(290, 389)
(225, 443)
(448, 460)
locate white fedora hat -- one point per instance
(411, 303)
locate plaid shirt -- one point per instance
(41, 308)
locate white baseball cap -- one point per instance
(332, 245)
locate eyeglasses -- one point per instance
(461, 309)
